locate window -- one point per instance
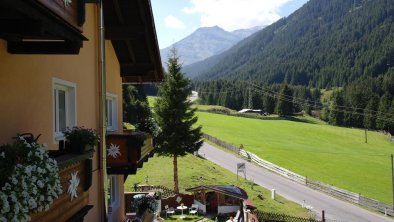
(112, 190)
(111, 112)
(64, 106)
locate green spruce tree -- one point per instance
(284, 106)
(175, 118)
(268, 103)
(336, 116)
(390, 118)
(384, 107)
(136, 108)
(369, 114)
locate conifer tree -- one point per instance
(384, 107)
(284, 106)
(136, 108)
(175, 118)
(390, 118)
(336, 116)
(269, 104)
(369, 115)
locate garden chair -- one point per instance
(236, 218)
(193, 209)
(169, 210)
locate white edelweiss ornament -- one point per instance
(114, 151)
(67, 2)
(72, 187)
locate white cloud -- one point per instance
(236, 14)
(173, 22)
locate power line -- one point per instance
(317, 102)
(299, 101)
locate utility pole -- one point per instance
(250, 102)
(392, 177)
(366, 138)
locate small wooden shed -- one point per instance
(218, 199)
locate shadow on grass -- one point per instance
(261, 117)
(295, 119)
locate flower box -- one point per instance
(65, 208)
(127, 151)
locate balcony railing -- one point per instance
(127, 151)
(77, 207)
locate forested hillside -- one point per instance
(364, 103)
(325, 43)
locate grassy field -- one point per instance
(334, 155)
(195, 171)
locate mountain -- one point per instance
(206, 42)
(325, 43)
(243, 33)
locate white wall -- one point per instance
(201, 207)
(117, 213)
(227, 209)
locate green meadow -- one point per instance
(194, 171)
(334, 155)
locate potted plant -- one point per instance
(80, 139)
(29, 180)
(145, 203)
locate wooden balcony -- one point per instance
(127, 151)
(42, 26)
(64, 208)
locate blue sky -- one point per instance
(176, 19)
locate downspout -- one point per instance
(102, 115)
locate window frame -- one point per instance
(114, 111)
(113, 188)
(70, 90)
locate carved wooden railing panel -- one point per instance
(63, 208)
(71, 11)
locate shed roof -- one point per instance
(229, 190)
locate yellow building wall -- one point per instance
(27, 98)
(114, 81)
(26, 88)
(114, 86)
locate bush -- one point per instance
(144, 203)
(30, 182)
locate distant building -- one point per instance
(259, 111)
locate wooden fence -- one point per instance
(328, 189)
(270, 166)
(377, 205)
(334, 191)
(221, 143)
(164, 191)
(187, 200)
(168, 197)
(273, 217)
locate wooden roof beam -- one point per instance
(139, 79)
(122, 32)
(44, 47)
(136, 69)
(149, 32)
(21, 27)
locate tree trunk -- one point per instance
(176, 188)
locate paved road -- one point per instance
(334, 208)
